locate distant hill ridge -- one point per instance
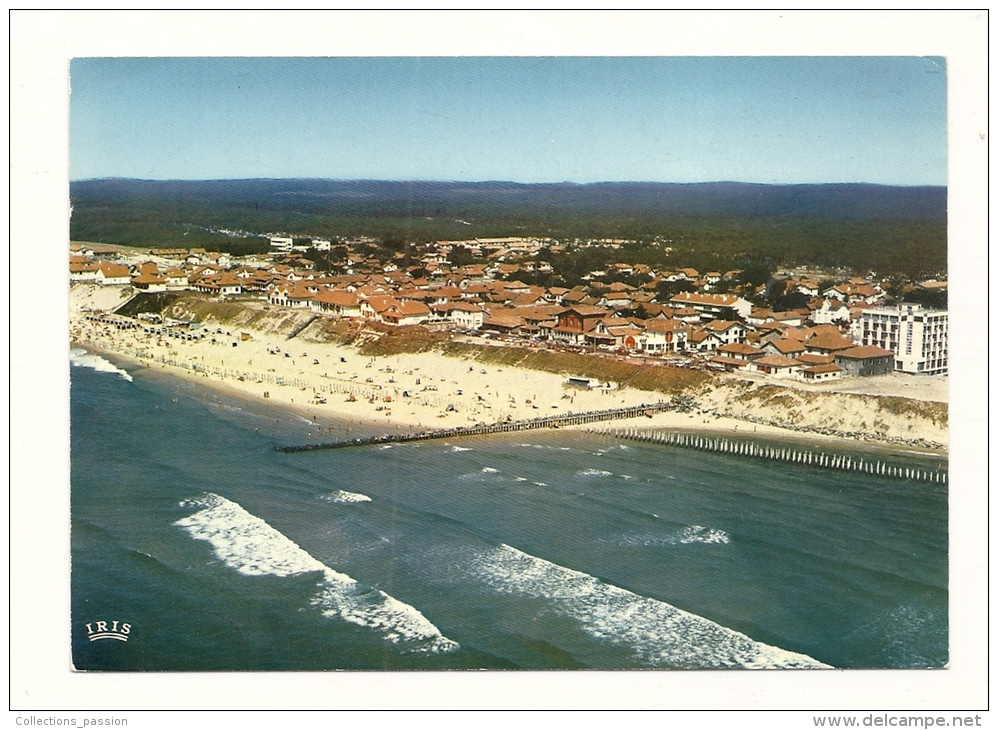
(838, 200)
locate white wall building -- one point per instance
(918, 337)
(281, 244)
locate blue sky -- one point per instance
(524, 119)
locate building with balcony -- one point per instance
(918, 337)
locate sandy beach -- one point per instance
(333, 383)
(412, 391)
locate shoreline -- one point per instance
(283, 398)
(739, 430)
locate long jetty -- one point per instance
(805, 457)
(570, 419)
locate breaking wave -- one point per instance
(84, 359)
(249, 545)
(659, 634)
(699, 533)
(687, 536)
(342, 497)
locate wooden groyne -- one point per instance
(805, 457)
(569, 419)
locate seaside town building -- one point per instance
(712, 306)
(865, 360)
(918, 337)
(621, 309)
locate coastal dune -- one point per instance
(249, 350)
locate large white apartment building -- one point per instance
(918, 337)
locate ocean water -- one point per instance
(558, 550)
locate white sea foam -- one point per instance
(249, 545)
(540, 484)
(341, 497)
(594, 473)
(659, 634)
(459, 448)
(84, 359)
(699, 533)
(486, 474)
(689, 535)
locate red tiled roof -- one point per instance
(787, 345)
(338, 297)
(777, 361)
(148, 279)
(716, 300)
(113, 271)
(818, 369)
(665, 325)
(863, 352)
(828, 341)
(721, 360)
(813, 359)
(739, 348)
(720, 325)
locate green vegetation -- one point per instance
(401, 340)
(151, 302)
(659, 378)
(377, 340)
(938, 413)
(707, 227)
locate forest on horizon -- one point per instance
(887, 229)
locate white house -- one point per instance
(704, 341)
(462, 314)
(663, 336)
(820, 373)
(109, 274)
(713, 306)
(831, 311)
(405, 313)
(83, 271)
(775, 366)
(728, 332)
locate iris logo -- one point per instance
(98, 630)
